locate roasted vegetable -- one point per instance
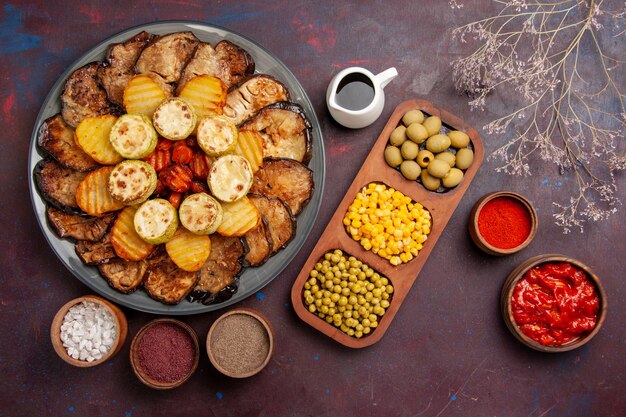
(156, 221)
(177, 178)
(124, 276)
(92, 135)
(200, 213)
(280, 222)
(239, 217)
(77, 226)
(57, 184)
(227, 61)
(216, 135)
(259, 244)
(287, 179)
(285, 129)
(127, 243)
(167, 283)
(252, 95)
(188, 250)
(174, 119)
(250, 146)
(84, 97)
(92, 194)
(167, 55)
(57, 138)
(95, 253)
(206, 94)
(143, 95)
(115, 72)
(230, 178)
(218, 275)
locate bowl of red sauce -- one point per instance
(503, 223)
(553, 303)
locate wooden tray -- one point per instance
(375, 169)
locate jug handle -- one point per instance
(386, 76)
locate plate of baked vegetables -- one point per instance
(176, 167)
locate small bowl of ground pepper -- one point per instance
(240, 343)
(165, 353)
(503, 223)
(553, 303)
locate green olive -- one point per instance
(429, 182)
(459, 139)
(416, 132)
(424, 157)
(432, 125)
(398, 136)
(410, 170)
(452, 178)
(438, 143)
(464, 158)
(413, 116)
(438, 168)
(409, 150)
(393, 157)
(448, 157)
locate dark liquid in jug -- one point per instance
(355, 92)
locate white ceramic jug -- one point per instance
(355, 96)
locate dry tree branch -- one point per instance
(554, 55)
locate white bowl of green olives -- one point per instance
(422, 149)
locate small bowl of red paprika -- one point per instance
(552, 303)
(165, 353)
(503, 223)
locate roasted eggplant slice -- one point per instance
(83, 96)
(226, 61)
(77, 226)
(218, 274)
(122, 275)
(96, 253)
(167, 283)
(58, 184)
(280, 222)
(252, 95)
(115, 72)
(285, 129)
(167, 55)
(57, 138)
(287, 179)
(259, 244)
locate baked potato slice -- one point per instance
(57, 138)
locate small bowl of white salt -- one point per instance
(88, 331)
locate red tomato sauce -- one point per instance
(555, 303)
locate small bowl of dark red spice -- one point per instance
(165, 353)
(553, 303)
(240, 343)
(503, 223)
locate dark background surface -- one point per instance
(447, 352)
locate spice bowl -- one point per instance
(503, 223)
(83, 327)
(546, 260)
(240, 343)
(165, 353)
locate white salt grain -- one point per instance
(88, 331)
